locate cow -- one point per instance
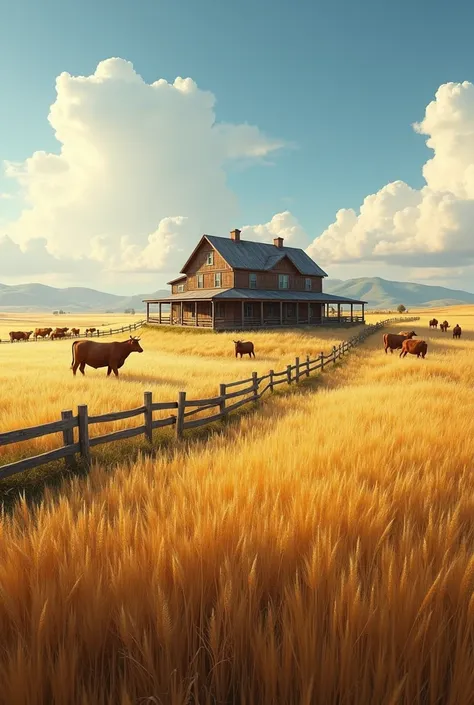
(433, 323)
(444, 326)
(110, 355)
(394, 341)
(91, 331)
(42, 332)
(59, 333)
(457, 330)
(414, 347)
(19, 335)
(75, 331)
(243, 348)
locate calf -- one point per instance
(243, 348)
(414, 347)
(457, 330)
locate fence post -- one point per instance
(297, 371)
(180, 414)
(148, 404)
(270, 384)
(222, 391)
(334, 354)
(307, 365)
(83, 418)
(255, 386)
(288, 374)
(321, 357)
(68, 437)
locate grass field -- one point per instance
(318, 551)
(28, 321)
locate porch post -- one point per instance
(352, 313)
(338, 313)
(363, 315)
(159, 312)
(182, 323)
(171, 313)
(196, 313)
(261, 313)
(147, 312)
(281, 313)
(213, 316)
(309, 314)
(297, 312)
(242, 314)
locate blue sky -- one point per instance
(344, 81)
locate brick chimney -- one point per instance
(278, 241)
(235, 235)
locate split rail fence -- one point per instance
(185, 409)
(98, 333)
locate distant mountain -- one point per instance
(381, 293)
(38, 297)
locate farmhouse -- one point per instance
(231, 283)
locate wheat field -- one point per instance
(318, 551)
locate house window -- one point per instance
(307, 284)
(200, 278)
(210, 258)
(180, 288)
(218, 280)
(248, 310)
(283, 281)
(219, 312)
(252, 280)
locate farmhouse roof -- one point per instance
(259, 256)
(255, 295)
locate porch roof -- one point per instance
(254, 295)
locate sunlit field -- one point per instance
(320, 550)
(37, 382)
(29, 321)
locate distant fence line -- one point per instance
(98, 333)
(185, 408)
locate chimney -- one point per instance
(278, 241)
(235, 235)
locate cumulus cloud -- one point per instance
(140, 172)
(430, 227)
(33, 259)
(283, 225)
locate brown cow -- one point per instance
(19, 335)
(394, 341)
(75, 331)
(243, 348)
(414, 347)
(457, 330)
(42, 332)
(433, 323)
(110, 355)
(59, 333)
(91, 331)
(444, 326)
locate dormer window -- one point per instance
(210, 258)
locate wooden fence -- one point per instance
(185, 409)
(98, 333)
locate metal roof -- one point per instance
(256, 295)
(261, 256)
(178, 279)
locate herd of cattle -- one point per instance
(404, 341)
(53, 334)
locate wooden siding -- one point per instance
(269, 281)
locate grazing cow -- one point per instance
(414, 347)
(433, 323)
(457, 330)
(393, 341)
(110, 355)
(42, 332)
(75, 331)
(91, 331)
(19, 335)
(444, 326)
(243, 348)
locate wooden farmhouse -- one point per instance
(230, 283)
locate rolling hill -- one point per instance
(379, 293)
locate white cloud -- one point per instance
(283, 225)
(430, 227)
(6, 196)
(33, 258)
(140, 172)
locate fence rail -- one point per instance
(98, 333)
(79, 425)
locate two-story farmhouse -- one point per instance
(230, 283)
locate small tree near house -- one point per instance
(401, 308)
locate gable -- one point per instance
(284, 266)
(198, 259)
